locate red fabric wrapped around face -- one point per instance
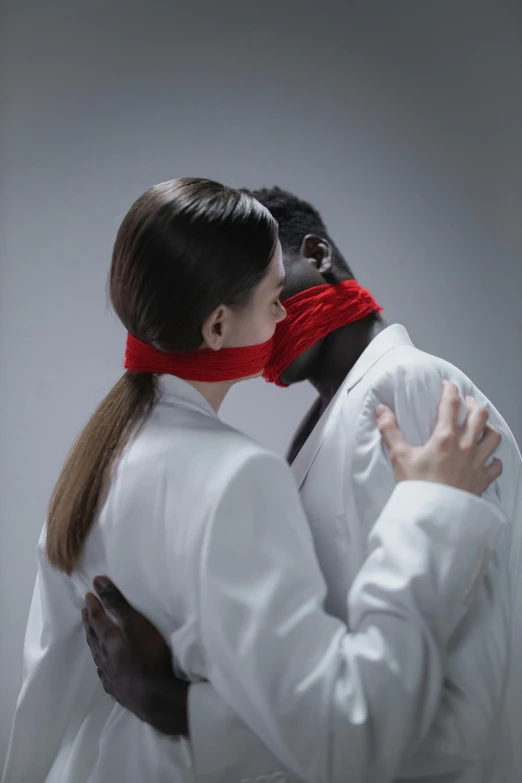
(311, 315)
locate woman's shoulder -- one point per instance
(195, 461)
(205, 437)
(234, 458)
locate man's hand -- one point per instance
(134, 661)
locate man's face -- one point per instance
(315, 264)
(301, 275)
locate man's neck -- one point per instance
(339, 353)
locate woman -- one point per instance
(195, 279)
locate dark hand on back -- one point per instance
(134, 661)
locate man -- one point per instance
(345, 480)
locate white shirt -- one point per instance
(202, 530)
(345, 480)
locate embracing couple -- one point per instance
(354, 617)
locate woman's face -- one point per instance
(255, 323)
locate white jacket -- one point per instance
(203, 532)
(345, 479)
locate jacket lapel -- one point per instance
(387, 340)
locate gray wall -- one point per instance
(401, 120)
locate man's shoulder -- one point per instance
(409, 381)
(409, 363)
(408, 373)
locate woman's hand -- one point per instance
(454, 455)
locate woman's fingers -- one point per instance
(390, 431)
(494, 471)
(475, 425)
(448, 412)
(487, 446)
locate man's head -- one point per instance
(310, 258)
(309, 254)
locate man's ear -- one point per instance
(318, 251)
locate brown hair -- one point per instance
(185, 247)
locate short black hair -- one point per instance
(296, 218)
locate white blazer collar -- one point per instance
(175, 390)
(390, 338)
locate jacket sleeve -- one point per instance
(323, 699)
(55, 650)
(478, 652)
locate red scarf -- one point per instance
(313, 314)
(202, 365)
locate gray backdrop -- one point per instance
(402, 121)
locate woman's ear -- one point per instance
(214, 327)
(318, 252)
